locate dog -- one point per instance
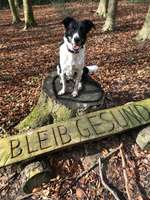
(72, 53)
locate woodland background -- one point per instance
(29, 45)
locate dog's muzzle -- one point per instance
(75, 50)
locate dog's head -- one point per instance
(76, 32)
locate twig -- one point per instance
(13, 176)
(96, 164)
(124, 166)
(103, 182)
(2, 132)
(90, 169)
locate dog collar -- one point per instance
(74, 51)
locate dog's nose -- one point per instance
(77, 40)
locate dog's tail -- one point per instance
(92, 69)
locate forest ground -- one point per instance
(26, 57)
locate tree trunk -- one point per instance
(17, 4)
(144, 33)
(102, 8)
(14, 11)
(111, 16)
(28, 14)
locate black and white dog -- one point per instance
(72, 53)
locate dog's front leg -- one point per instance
(78, 84)
(63, 81)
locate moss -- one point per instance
(45, 112)
(35, 119)
(14, 11)
(28, 14)
(63, 113)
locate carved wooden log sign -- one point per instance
(92, 126)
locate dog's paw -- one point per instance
(79, 86)
(61, 92)
(60, 81)
(74, 93)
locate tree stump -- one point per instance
(35, 174)
(53, 108)
(143, 138)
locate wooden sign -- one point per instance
(92, 126)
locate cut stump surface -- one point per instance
(53, 108)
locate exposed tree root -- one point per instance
(108, 26)
(143, 35)
(103, 182)
(124, 166)
(89, 170)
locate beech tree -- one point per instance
(108, 9)
(102, 8)
(111, 16)
(28, 14)
(14, 11)
(144, 33)
(17, 4)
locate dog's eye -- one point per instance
(71, 30)
(68, 38)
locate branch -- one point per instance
(103, 182)
(9, 181)
(124, 166)
(90, 169)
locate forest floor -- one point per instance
(26, 57)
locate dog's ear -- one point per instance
(67, 21)
(87, 25)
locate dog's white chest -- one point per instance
(71, 62)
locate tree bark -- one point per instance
(102, 8)
(14, 11)
(144, 33)
(111, 16)
(17, 4)
(143, 138)
(28, 14)
(50, 108)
